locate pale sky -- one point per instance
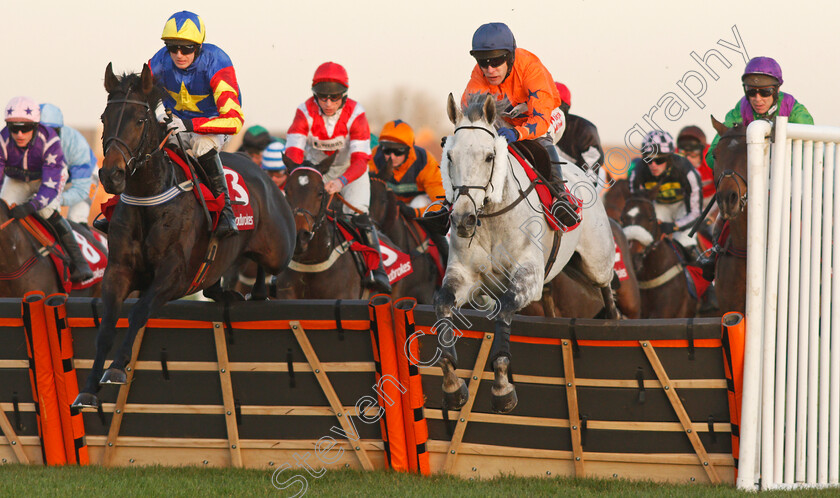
(619, 58)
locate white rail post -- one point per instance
(756, 247)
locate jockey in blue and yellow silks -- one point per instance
(201, 90)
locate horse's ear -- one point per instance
(147, 81)
(719, 127)
(111, 80)
(490, 109)
(325, 165)
(290, 165)
(453, 111)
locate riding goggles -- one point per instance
(655, 160)
(184, 49)
(764, 92)
(395, 151)
(492, 62)
(20, 127)
(335, 97)
(690, 147)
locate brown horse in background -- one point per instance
(615, 197)
(24, 267)
(659, 268)
(731, 183)
(158, 248)
(408, 236)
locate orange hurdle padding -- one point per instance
(54, 338)
(74, 436)
(388, 385)
(733, 336)
(417, 430)
(42, 378)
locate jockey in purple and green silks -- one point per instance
(762, 100)
(33, 172)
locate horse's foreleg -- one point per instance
(518, 294)
(455, 392)
(259, 292)
(151, 301)
(611, 311)
(114, 292)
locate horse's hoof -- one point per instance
(86, 400)
(504, 403)
(233, 296)
(455, 400)
(113, 376)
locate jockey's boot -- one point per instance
(101, 224)
(564, 209)
(212, 166)
(81, 271)
(707, 262)
(376, 279)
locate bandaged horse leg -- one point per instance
(455, 392)
(503, 391)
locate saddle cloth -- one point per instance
(396, 263)
(92, 245)
(619, 266)
(238, 190)
(546, 199)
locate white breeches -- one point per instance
(357, 193)
(16, 191)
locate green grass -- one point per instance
(21, 480)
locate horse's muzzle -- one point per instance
(302, 241)
(465, 225)
(729, 204)
(112, 179)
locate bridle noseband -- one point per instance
(315, 220)
(124, 149)
(731, 173)
(650, 247)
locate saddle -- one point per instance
(93, 246)
(546, 199)
(535, 154)
(396, 263)
(242, 210)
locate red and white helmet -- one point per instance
(330, 78)
(23, 109)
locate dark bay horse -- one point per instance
(731, 183)
(322, 266)
(409, 237)
(158, 249)
(23, 267)
(615, 197)
(659, 267)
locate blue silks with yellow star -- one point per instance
(206, 95)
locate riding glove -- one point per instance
(407, 211)
(667, 227)
(22, 210)
(509, 134)
(175, 125)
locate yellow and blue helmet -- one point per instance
(184, 25)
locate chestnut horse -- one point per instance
(659, 267)
(157, 248)
(24, 267)
(731, 184)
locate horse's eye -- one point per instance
(140, 122)
(490, 157)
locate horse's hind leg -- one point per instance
(610, 309)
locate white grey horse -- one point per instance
(504, 256)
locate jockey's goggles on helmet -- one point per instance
(334, 97)
(21, 127)
(395, 151)
(690, 146)
(764, 92)
(492, 61)
(184, 48)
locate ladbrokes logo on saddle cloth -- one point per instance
(396, 263)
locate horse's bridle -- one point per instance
(650, 247)
(316, 220)
(465, 189)
(731, 173)
(124, 149)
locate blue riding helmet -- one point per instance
(51, 116)
(492, 40)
